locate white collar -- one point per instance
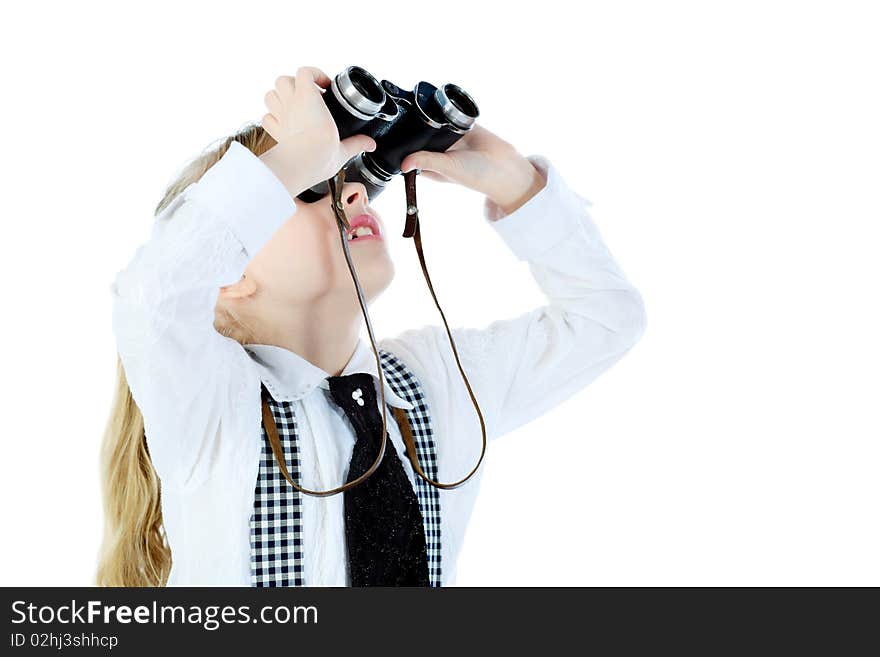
(289, 376)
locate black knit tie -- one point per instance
(383, 524)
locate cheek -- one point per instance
(306, 249)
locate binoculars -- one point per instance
(428, 118)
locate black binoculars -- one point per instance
(428, 118)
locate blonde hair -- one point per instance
(134, 551)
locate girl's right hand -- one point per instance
(309, 150)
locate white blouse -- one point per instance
(199, 391)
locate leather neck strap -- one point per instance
(411, 229)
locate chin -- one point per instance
(377, 280)
(376, 264)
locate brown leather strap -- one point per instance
(411, 229)
(278, 452)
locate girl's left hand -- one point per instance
(484, 162)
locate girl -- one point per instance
(243, 288)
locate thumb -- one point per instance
(356, 144)
(426, 160)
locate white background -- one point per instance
(732, 155)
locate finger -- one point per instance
(477, 133)
(457, 146)
(430, 175)
(307, 74)
(273, 102)
(357, 144)
(285, 86)
(425, 160)
(270, 124)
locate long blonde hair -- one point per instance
(134, 551)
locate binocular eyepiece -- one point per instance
(428, 118)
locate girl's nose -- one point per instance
(354, 194)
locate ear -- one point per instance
(240, 289)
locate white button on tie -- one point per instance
(356, 395)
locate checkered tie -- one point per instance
(383, 524)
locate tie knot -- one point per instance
(354, 393)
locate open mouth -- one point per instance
(363, 227)
(359, 232)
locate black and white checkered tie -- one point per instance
(383, 524)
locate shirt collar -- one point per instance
(289, 376)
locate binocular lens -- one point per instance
(361, 90)
(457, 105)
(367, 85)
